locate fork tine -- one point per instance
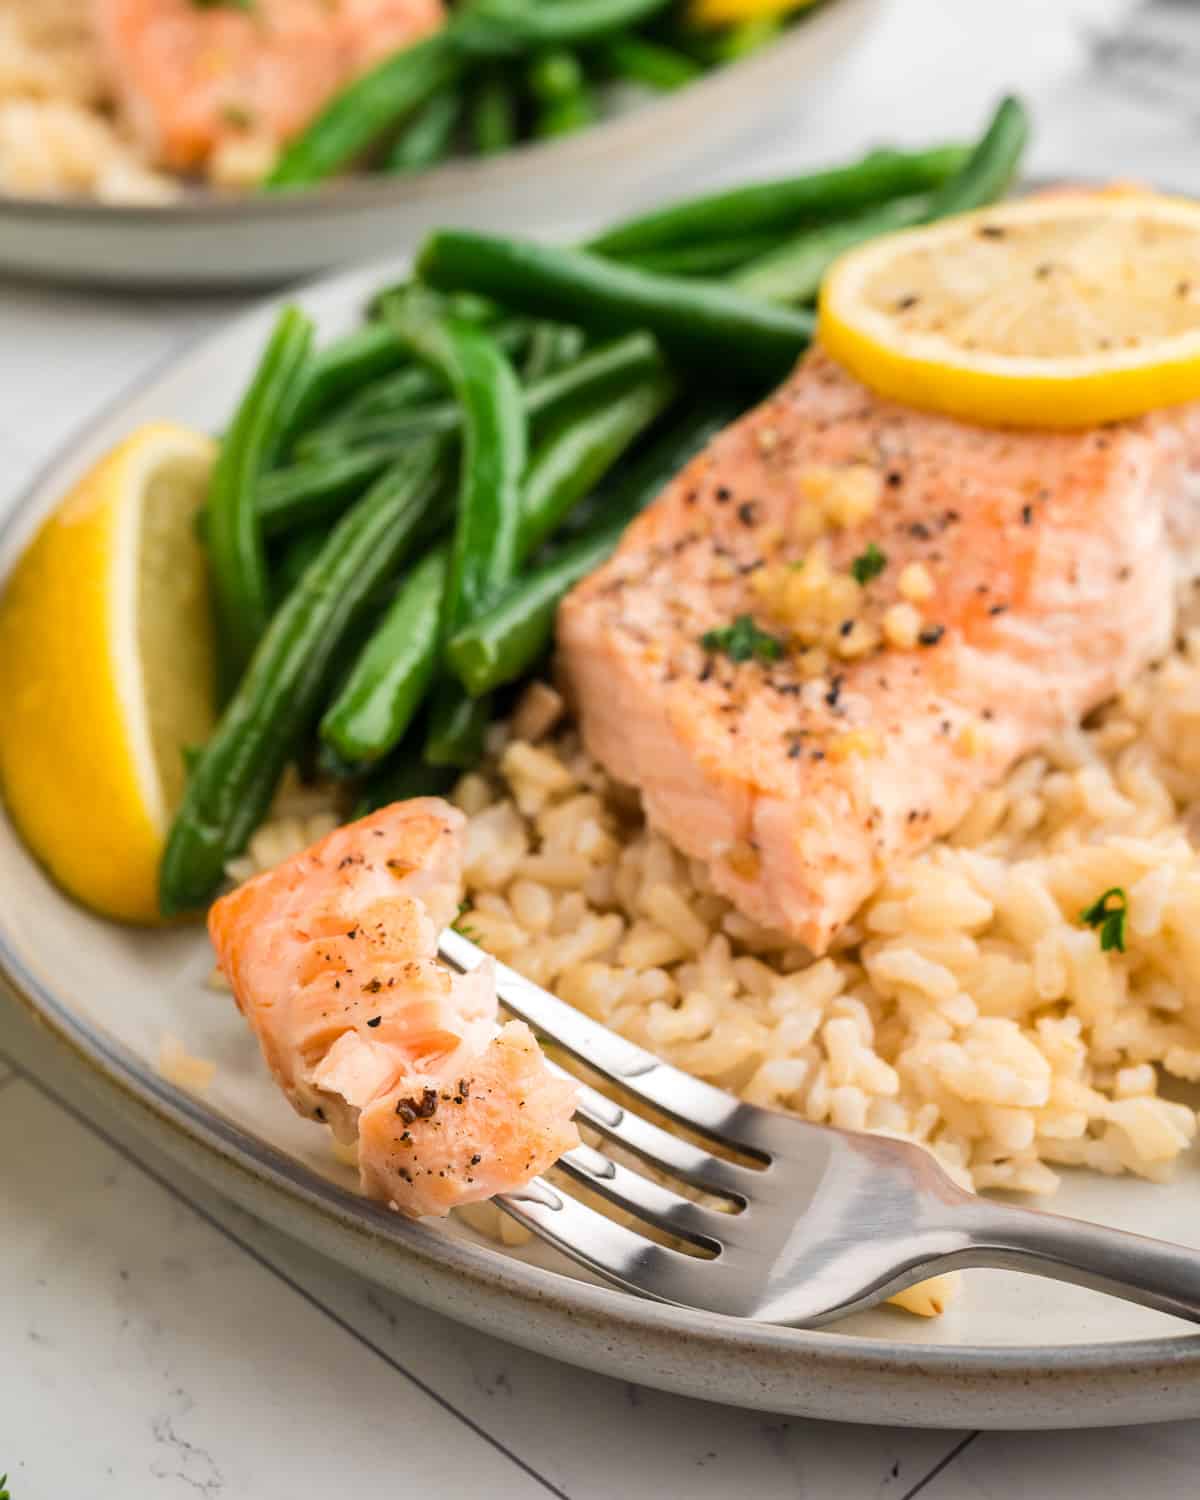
(645, 1199)
(696, 1104)
(658, 1146)
(612, 1251)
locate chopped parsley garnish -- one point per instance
(246, 5)
(868, 564)
(1108, 914)
(460, 924)
(4, 1487)
(237, 116)
(743, 641)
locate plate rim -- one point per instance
(202, 1131)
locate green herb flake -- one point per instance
(868, 564)
(460, 926)
(4, 1495)
(743, 641)
(1108, 915)
(247, 6)
(237, 116)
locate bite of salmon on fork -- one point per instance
(846, 617)
(332, 958)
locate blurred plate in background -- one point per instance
(209, 241)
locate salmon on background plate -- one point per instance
(192, 76)
(332, 959)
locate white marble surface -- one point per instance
(155, 1342)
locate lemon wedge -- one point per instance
(106, 670)
(1059, 311)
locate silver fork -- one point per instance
(823, 1221)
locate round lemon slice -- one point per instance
(1058, 311)
(106, 670)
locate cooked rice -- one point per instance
(58, 131)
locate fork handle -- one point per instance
(1155, 1273)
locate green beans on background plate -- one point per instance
(237, 557)
(499, 27)
(786, 203)
(509, 640)
(648, 62)
(428, 137)
(556, 82)
(492, 113)
(236, 775)
(735, 336)
(359, 114)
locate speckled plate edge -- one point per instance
(816, 1373)
(207, 241)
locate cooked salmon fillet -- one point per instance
(332, 958)
(192, 76)
(916, 603)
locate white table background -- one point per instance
(155, 1342)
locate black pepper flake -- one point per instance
(909, 300)
(476, 1159)
(373, 986)
(464, 1087)
(931, 635)
(835, 690)
(919, 530)
(998, 609)
(352, 934)
(418, 1109)
(845, 628)
(992, 232)
(1027, 515)
(894, 478)
(747, 513)
(724, 494)
(374, 1021)
(318, 1113)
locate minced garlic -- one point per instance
(902, 626)
(845, 496)
(855, 742)
(915, 583)
(743, 859)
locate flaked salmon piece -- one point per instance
(1011, 582)
(332, 959)
(191, 77)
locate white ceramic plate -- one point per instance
(1013, 1352)
(208, 241)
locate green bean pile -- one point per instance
(503, 71)
(393, 518)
